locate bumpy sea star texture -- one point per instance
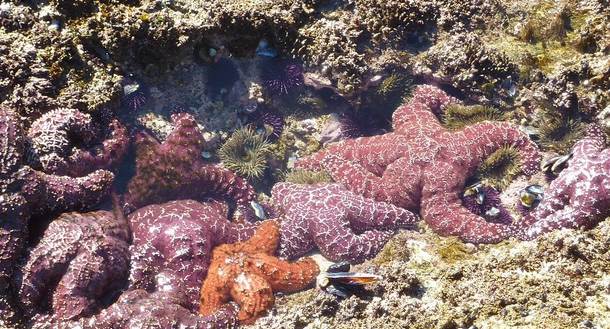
(248, 273)
(81, 259)
(343, 225)
(422, 165)
(25, 191)
(54, 135)
(175, 169)
(172, 244)
(580, 195)
(141, 309)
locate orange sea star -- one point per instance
(248, 273)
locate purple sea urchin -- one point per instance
(281, 76)
(134, 94)
(485, 201)
(271, 120)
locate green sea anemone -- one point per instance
(301, 176)
(245, 152)
(559, 134)
(500, 168)
(457, 116)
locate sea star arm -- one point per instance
(366, 214)
(90, 276)
(40, 271)
(224, 183)
(284, 276)
(263, 243)
(355, 177)
(421, 110)
(447, 216)
(239, 231)
(111, 151)
(442, 209)
(215, 291)
(373, 153)
(569, 216)
(254, 296)
(480, 140)
(63, 192)
(572, 201)
(590, 146)
(338, 242)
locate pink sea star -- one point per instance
(580, 195)
(172, 244)
(342, 224)
(422, 165)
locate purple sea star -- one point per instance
(172, 244)
(81, 259)
(423, 166)
(55, 134)
(141, 309)
(25, 192)
(580, 195)
(343, 225)
(175, 169)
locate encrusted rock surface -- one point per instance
(557, 281)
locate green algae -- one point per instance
(548, 40)
(452, 250)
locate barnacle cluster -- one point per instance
(465, 62)
(245, 152)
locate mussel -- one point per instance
(476, 189)
(531, 196)
(556, 164)
(340, 282)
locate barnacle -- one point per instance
(301, 176)
(500, 168)
(245, 152)
(457, 116)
